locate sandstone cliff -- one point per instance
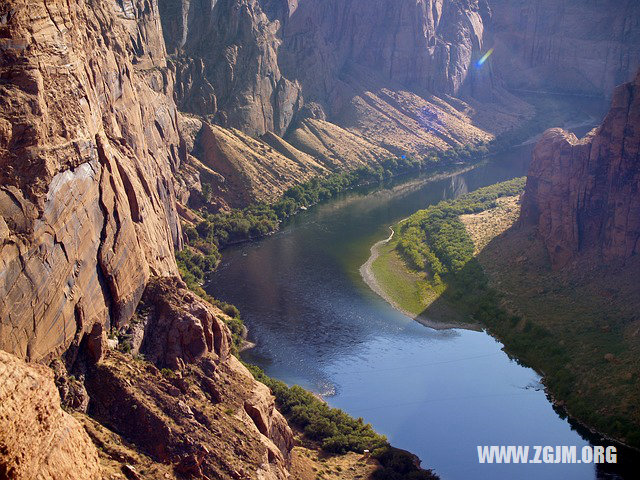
(584, 195)
(88, 144)
(205, 418)
(385, 71)
(425, 45)
(90, 141)
(565, 46)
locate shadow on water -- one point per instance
(527, 344)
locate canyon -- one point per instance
(117, 116)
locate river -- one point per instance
(438, 394)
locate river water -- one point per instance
(438, 394)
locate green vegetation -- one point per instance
(338, 432)
(578, 344)
(431, 257)
(435, 241)
(407, 289)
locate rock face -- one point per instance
(226, 63)
(584, 195)
(179, 326)
(572, 45)
(247, 64)
(88, 144)
(208, 418)
(37, 438)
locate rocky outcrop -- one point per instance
(37, 438)
(569, 46)
(584, 195)
(88, 144)
(179, 327)
(209, 418)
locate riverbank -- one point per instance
(370, 277)
(576, 326)
(412, 275)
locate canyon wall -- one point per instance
(572, 46)
(254, 64)
(88, 147)
(584, 194)
(346, 83)
(225, 54)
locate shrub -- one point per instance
(337, 431)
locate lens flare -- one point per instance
(484, 57)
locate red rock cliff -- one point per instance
(89, 146)
(88, 143)
(584, 195)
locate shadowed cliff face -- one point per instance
(225, 54)
(425, 45)
(247, 63)
(584, 195)
(570, 46)
(88, 143)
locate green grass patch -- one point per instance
(432, 254)
(407, 289)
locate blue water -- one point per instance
(438, 394)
